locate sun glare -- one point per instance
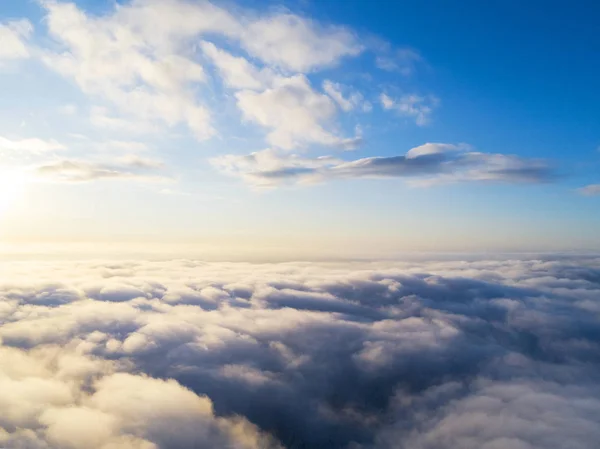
(12, 187)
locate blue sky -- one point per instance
(321, 128)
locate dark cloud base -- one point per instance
(481, 354)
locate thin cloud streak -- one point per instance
(428, 164)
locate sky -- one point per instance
(296, 129)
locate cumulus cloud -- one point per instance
(66, 398)
(147, 65)
(425, 165)
(110, 57)
(237, 72)
(296, 43)
(295, 112)
(590, 190)
(493, 354)
(13, 36)
(289, 106)
(151, 74)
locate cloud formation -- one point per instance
(151, 74)
(592, 189)
(494, 354)
(13, 36)
(69, 170)
(427, 164)
(415, 107)
(150, 64)
(29, 145)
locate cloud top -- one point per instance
(372, 355)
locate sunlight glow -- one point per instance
(12, 188)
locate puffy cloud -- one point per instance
(501, 415)
(474, 353)
(145, 65)
(237, 72)
(288, 105)
(13, 36)
(592, 189)
(151, 74)
(425, 165)
(110, 57)
(294, 111)
(416, 107)
(65, 398)
(296, 43)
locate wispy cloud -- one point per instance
(29, 145)
(590, 190)
(72, 170)
(416, 107)
(428, 164)
(402, 60)
(13, 37)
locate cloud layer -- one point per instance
(494, 354)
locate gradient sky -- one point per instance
(310, 127)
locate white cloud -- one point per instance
(237, 72)
(403, 60)
(416, 107)
(268, 168)
(296, 43)
(142, 64)
(73, 170)
(386, 101)
(354, 100)
(295, 112)
(142, 57)
(428, 164)
(13, 37)
(109, 58)
(590, 190)
(284, 40)
(69, 399)
(29, 145)
(471, 353)
(433, 148)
